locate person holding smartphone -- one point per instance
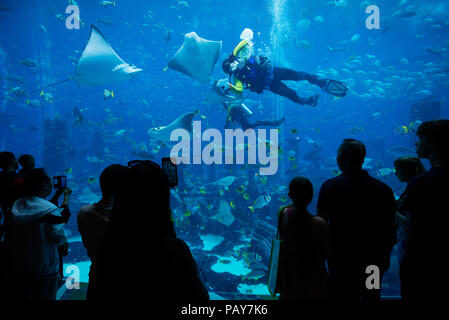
(36, 239)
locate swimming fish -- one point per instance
(93, 159)
(413, 127)
(384, 172)
(107, 3)
(355, 130)
(188, 213)
(17, 91)
(35, 103)
(260, 202)
(240, 189)
(224, 182)
(48, 97)
(254, 275)
(91, 179)
(402, 130)
(108, 94)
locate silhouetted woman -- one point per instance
(306, 243)
(141, 257)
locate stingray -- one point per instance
(224, 214)
(224, 182)
(163, 133)
(196, 57)
(99, 64)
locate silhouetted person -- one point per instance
(360, 211)
(11, 186)
(11, 189)
(34, 245)
(427, 202)
(141, 258)
(27, 162)
(306, 246)
(405, 169)
(93, 219)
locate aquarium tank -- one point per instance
(89, 83)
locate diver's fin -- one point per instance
(313, 100)
(334, 87)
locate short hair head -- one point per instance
(436, 134)
(407, 167)
(226, 65)
(37, 180)
(300, 190)
(145, 192)
(6, 159)
(111, 179)
(27, 161)
(351, 155)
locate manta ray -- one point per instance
(99, 64)
(196, 57)
(163, 133)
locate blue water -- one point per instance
(338, 46)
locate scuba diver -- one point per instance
(240, 115)
(256, 73)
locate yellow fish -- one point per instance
(246, 196)
(221, 192)
(166, 68)
(402, 130)
(241, 189)
(232, 205)
(335, 172)
(91, 179)
(187, 213)
(68, 170)
(202, 190)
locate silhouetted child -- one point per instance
(306, 244)
(27, 163)
(406, 168)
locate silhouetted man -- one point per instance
(427, 202)
(11, 186)
(360, 211)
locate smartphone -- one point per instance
(171, 170)
(60, 182)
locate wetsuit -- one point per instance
(236, 114)
(258, 74)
